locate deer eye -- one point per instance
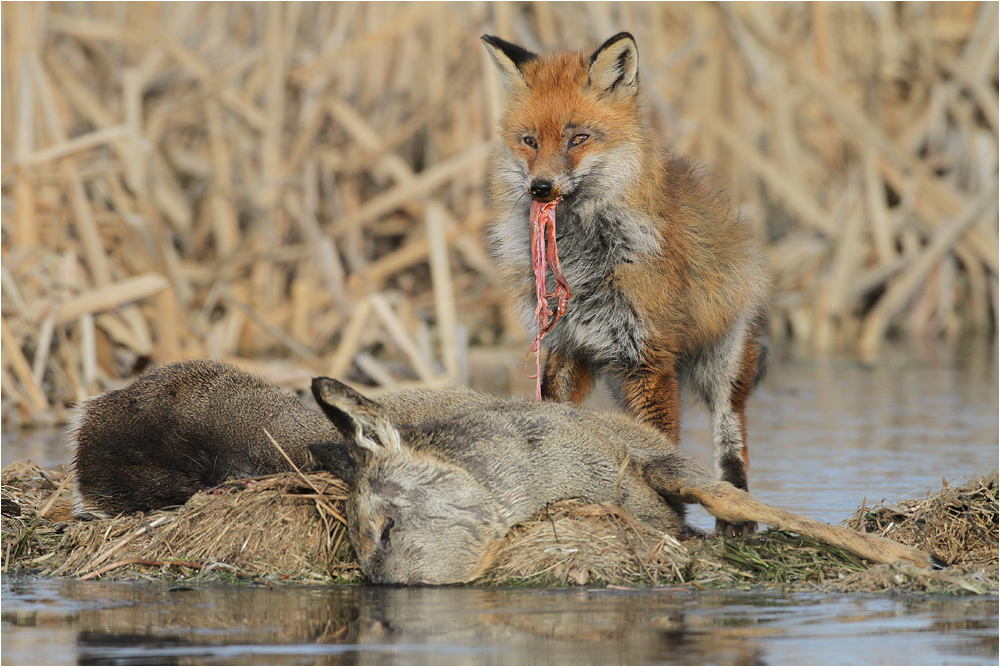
(578, 139)
(386, 527)
(531, 142)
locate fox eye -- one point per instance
(578, 139)
(386, 527)
(531, 142)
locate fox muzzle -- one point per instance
(542, 190)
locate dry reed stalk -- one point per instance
(111, 296)
(444, 293)
(902, 289)
(14, 356)
(261, 171)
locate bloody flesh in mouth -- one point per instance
(543, 258)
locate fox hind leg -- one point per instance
(725, 376)
(729, 440)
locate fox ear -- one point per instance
(365, 424)
(509, 58)
(614, 67)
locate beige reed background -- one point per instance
(303, 183)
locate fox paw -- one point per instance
(726, 529)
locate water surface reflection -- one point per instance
(98, 623)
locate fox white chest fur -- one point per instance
(593, 243)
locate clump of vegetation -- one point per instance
(291, 527)
(780, 557)
(284, 526)
(958, 523)
(573, 542)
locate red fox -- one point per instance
(668, 286)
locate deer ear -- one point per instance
(364, 423)
(614, 67)
(509, 58)
(335, 458)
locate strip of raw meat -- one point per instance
(544, 256)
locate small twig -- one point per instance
(324, 503)
(548, 515)
(52, 499)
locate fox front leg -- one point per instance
(566, 378)
(654, 397)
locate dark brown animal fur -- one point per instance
(190, 425)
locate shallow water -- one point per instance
(824, 435)
(63, 622)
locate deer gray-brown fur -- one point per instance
(437, 478)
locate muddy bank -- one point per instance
(291, 527)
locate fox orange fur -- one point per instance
(668, 285)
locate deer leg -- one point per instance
(677, 477)
(726, 502)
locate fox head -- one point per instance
(412, 518)
(573, 126)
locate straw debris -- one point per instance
(291, 527)
(286, 526)
(959, 524)
(574, 542)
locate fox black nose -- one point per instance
(541, 189)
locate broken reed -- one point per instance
(304, 182)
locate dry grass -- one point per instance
(282, 526)
(573, 542)
(959, 524)
(290, 527)
(774, 557)
(304, 182)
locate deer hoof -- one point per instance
(726, 529)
